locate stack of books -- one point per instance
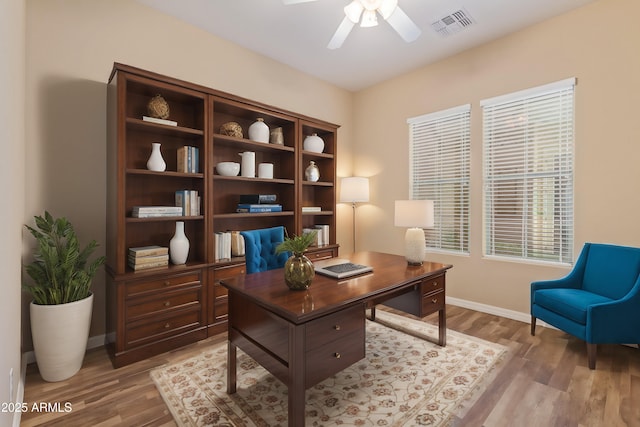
(159, 121)
(145, 257)
(323, 236)
(222, 241)
(188, 159)
(155, 211)
(258, 203)
(311, 209)
(188, 201)
(258, 208)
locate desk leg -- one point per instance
(297, 377)
(231, 368)
(442, 328)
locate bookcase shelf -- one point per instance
(199, 113)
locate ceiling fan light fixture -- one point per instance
(353, 11)
(387, 7)
(369, 19)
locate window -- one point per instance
(439, 162)
(528, 173)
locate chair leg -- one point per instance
(591, 355)
(533, 326)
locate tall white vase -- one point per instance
(179, 245)
(156, 162)
(60, 333)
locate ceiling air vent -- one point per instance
(452, 23)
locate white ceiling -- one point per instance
(298, 34)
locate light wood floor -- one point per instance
(545, 382)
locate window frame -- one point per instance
(451, 217)
(546, 181)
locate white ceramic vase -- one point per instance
(60, 333)
(259, 131)
(179, 245)
(313, 143)
(312, 173)
(156, 162)
(248, 164)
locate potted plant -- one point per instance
(62, 299)
(298, 269)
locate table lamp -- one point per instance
(417, 215)
(354, 189)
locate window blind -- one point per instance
(528, 169)
(439, 171)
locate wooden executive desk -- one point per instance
(303, 337)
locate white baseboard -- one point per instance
(497, 311)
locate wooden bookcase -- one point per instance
(152, 311)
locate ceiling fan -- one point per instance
(366, 9)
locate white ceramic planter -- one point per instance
(60, 333)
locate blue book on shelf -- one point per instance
(257, 208)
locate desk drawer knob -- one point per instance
(167, 303)
(336, 355)
(167, 325)
(435, 284)
(337, 327)
(435, 300)
(167, 283)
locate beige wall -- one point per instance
(605, 60)
(12, 39)
(71, 47)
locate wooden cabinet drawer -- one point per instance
(323, 331)
(432, 302)
(333, 357)
(317, 255)
(163, 302)
(229, 271)
(141, 333)
(433, 284)
(150, 285)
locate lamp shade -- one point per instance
(354, 189)
(414, 213)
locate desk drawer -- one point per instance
(329, 359)
(432, 302)
(321, 332)
(317, 255)
(433, 284)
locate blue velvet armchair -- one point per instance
(598, 301)
(260, 249)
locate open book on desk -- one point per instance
(340, 268)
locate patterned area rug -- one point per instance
(404, 380)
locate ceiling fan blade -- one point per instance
(341, 33)
(288, 2)
(401, 22)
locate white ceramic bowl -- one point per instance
(228, 168)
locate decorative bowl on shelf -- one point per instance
(228, 168)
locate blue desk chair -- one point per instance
(260, 249)
(598, 302)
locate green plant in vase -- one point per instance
(298, 270)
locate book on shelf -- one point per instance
(188, 160)
(145, 251)
(189, 201)
(257, 198)
(323, 234)
(159, 121)
(137, 267)
(155, 211)
(222, 241)
(150, 259)
(311, 209)
(258, 208)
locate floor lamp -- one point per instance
(354, 189)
